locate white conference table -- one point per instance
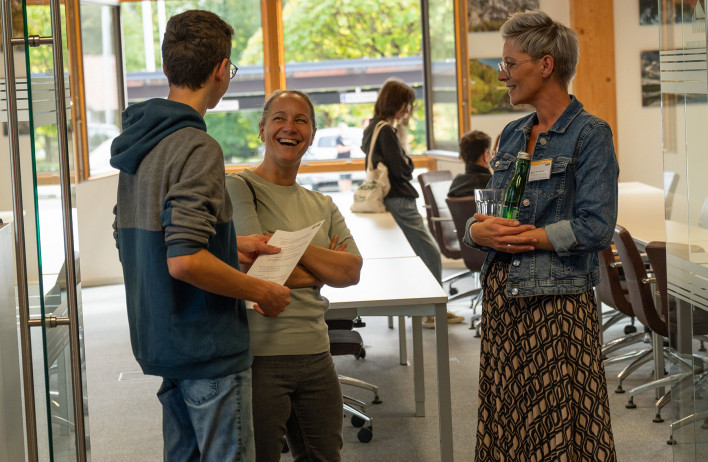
(376, 234)
(403, 286)
(641, 210)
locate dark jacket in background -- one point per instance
(464, 184)
(388, 150)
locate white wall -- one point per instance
(639, 128)
(638, 137)
(489, 45)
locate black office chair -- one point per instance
(431, 177)
(461, 209)
(661, 321)
(344, 340)
(612, 292)
(444, 231)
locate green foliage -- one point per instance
(237, 133)
(133, 49)
(314, 30)
(317, 30)
(243, 15)
(486, 94)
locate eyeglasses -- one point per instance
(506, 67)
(233, 69)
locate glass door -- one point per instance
(41, 160)
(684, 93)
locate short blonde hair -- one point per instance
(537, 35)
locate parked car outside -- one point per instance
(324, 147)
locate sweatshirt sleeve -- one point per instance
(196, 202)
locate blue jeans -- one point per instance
(298, 396)
(405, 212)
(207, 419)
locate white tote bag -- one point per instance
(368, 197)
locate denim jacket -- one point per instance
(577, 206)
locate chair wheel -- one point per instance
(286, 448)
(630, 404)
(362, 354)
(629, 330)
(357, 421)
(453, 291)
(365, 434)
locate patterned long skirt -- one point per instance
(542, 388)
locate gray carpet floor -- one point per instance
(125, 416)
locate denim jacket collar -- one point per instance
(561, 125)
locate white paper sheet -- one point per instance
(277, 267)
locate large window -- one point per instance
(103, 85)
(341, 58)
(340, 53)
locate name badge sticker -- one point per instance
(540, 170)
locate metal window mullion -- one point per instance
(19, 227)
(65, 183)
(427, 74)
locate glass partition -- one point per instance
(684, 93)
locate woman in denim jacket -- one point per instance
(542, 389)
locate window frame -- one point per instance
(274, 75)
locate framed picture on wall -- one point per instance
(487, 94)
(489, 15)
(651, 84)
(683, 10)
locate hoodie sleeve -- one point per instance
(196, 201)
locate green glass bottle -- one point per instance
(515, 191)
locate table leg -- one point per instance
(402, 344)
(418, 367)
(444, 394)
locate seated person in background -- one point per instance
(474, 151)
(295, 387)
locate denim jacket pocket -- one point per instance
(557, 184)
(503, 166)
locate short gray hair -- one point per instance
(537, 35)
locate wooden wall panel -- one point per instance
(594, 84)
(273, 52)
